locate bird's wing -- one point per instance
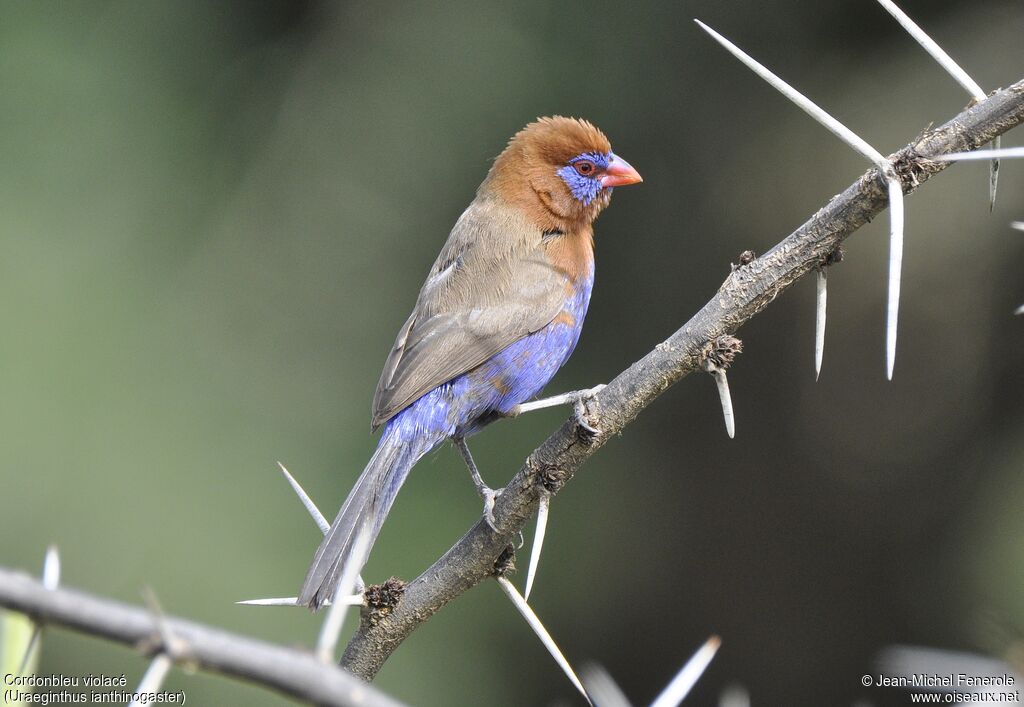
(491, 285)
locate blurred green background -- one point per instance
(217, 215)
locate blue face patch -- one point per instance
(584, 188)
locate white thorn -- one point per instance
(1019, 225)
(895, 268)
(311, 508)
(170, 643)
(318, 518)
(956, 71)
(687, 677)
(1019, 310)
(331, 629)
(937, 52)
(51, 568)
(734, 696)
(819, 320)
(602, 688)
(51, 578)
(1005, 152)
(351, 600)
(26, 658)
(538, 541)
(723, 394)
(542, 633)
(808, 106)
(154, 678)
(993, 175)
(272, 601)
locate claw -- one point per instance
(581, 419)
(489, 495)
(580, 409)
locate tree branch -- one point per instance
(290, 671)
(747, 290)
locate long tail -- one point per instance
(366, 507)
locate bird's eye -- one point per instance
(584, 167)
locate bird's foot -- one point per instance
(580, 410)
(489, 496)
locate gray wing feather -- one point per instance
(491, 285)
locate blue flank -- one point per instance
(464, 405)
(519, 372)
(585, 189)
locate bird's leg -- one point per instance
(576, 398)
(486, 492)
(570, 398)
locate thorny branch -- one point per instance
(291, 671)
(746, 291)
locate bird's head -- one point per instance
(561, 170)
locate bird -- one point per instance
(500, 312)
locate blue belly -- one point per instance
(517, 373)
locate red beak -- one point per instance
(619, 173)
